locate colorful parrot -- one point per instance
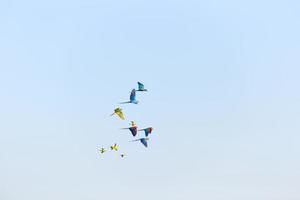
(102, 150)
(133, 128)
(143, 141)
(119, 112)
(141, 87)
(132, 98)
(147, 131)
(114, 147)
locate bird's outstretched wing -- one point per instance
(144, 142)
(148, 131)
(132, 95)
(133, 130)
(141, 86)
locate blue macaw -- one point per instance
(141, 87)
(143, 141)
(132, 98)
(147, 131)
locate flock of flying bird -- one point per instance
(133, 128)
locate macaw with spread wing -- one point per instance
(143, 141)
(133, 128)
(141, 87)
(132, 98)
(147, 131)
(119, 112)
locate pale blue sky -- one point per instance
(223, 80)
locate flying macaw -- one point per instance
(132, 98)
(147, 131)
(114, 147)
(102, 150)
(141, 87)
(119, 112)
(143, 141)
(133, 128)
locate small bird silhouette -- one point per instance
(132, 98)
(141, 87)
(119, 112)
(143, 141)
(102, 150)
(122, 155)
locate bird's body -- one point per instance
(122, 155)
(119, 112)
(114, 147)
(132, 98)
(143, 141)
(141, 87)
(102, 150)
(147, 131)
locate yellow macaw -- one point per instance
(114, 147)
(119, 112)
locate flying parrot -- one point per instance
(133, 128)
(102, 150)
(143, 141)
(147, 131)
(114, 147)
(132, 98)
(122, 155)
(119, 112)
(141, 87)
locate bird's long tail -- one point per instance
(112, 114)
(124, 102)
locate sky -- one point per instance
(224, 101)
